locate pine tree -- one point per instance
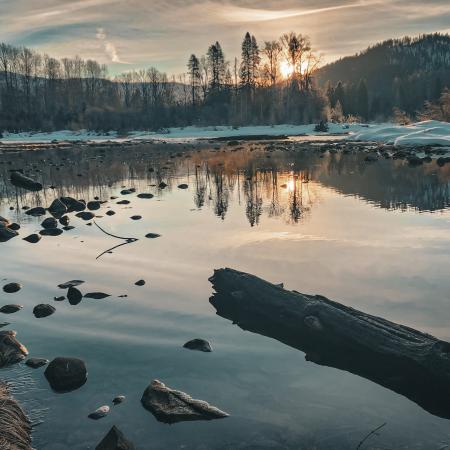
(194, 75)
(245, 72)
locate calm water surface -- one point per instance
(375, 237)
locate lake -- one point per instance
(374, 236)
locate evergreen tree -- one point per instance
(194, 75)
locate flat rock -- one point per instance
(35, 363)
(66, 374)
(200, 345)
(145, 195)
(51, 232)
(115, 440)
(11, 350)
(171, 406)
(136, 217)
(152, 235)
(10, 309)
(69, 284)
(96, 295)
(99, 413)
(11, 288)
(43, 310)
(33, 238)
(36, 212)
(123, 202)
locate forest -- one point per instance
(274, 82)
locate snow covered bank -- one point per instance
(418, 134)
(429, 132)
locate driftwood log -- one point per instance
(15, 428)
(407, 361)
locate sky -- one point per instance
(129, 34)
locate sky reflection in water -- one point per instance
(375, 237)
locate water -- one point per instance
(373, 236)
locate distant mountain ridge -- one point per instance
(398, 72)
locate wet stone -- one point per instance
(43, 310)
(10, 309)
(33, 238)
(200, 345)
(35, 363)
(99, 413)
(11, 288)
(66, 374)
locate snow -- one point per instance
(418, 134)
(429, 132)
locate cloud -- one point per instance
(108, 46)
(239, 14)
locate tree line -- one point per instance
(273, 82)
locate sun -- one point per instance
(286, 69)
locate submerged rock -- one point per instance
(11, 288)
(152, 235)
(145, 195)
(35, 363)
(115, 440)
(66, 374)
(198, 344)
(18, 179)
(33, 238)
(11, 350)
(171, 406)
(43, 310)
(119, 399)
(99, 413)
(10, 309)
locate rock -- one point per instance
(110, 213)
(43, 310)
(18, 179)
(115, 440)
(11, 350)
(33, 238)
(59, 299)
(85, 215)
(35, 363)
(10, 309)
(119, 399)
(126, 192)
(36, 212)
(198, 344)
(171, 406)
(145, 195)
(162, 185)
(4, 222)
(68, 228)
(74, 296)
(49, 222)
(93, 206)
(123, 202)
(57, 208)
(72, 204)
(6, 233)
(152, 235)
(11, 288)
(66, 374)
(140, 283)
(136, 217)
(99, 413)
(51, 232)
(64, 220)
(183, 186)
(14, 226)
(96, 295)
(69, 284)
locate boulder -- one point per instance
(57, 208)
(93, 206)
(171, 406)
(33, 238)
(36, 212)
(6, 233)
(49, 222)
(11, 350)
(115, 440)
(85, 215)
(66, 374)
(73, 204)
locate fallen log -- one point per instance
(400, 358)
(15, 428)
